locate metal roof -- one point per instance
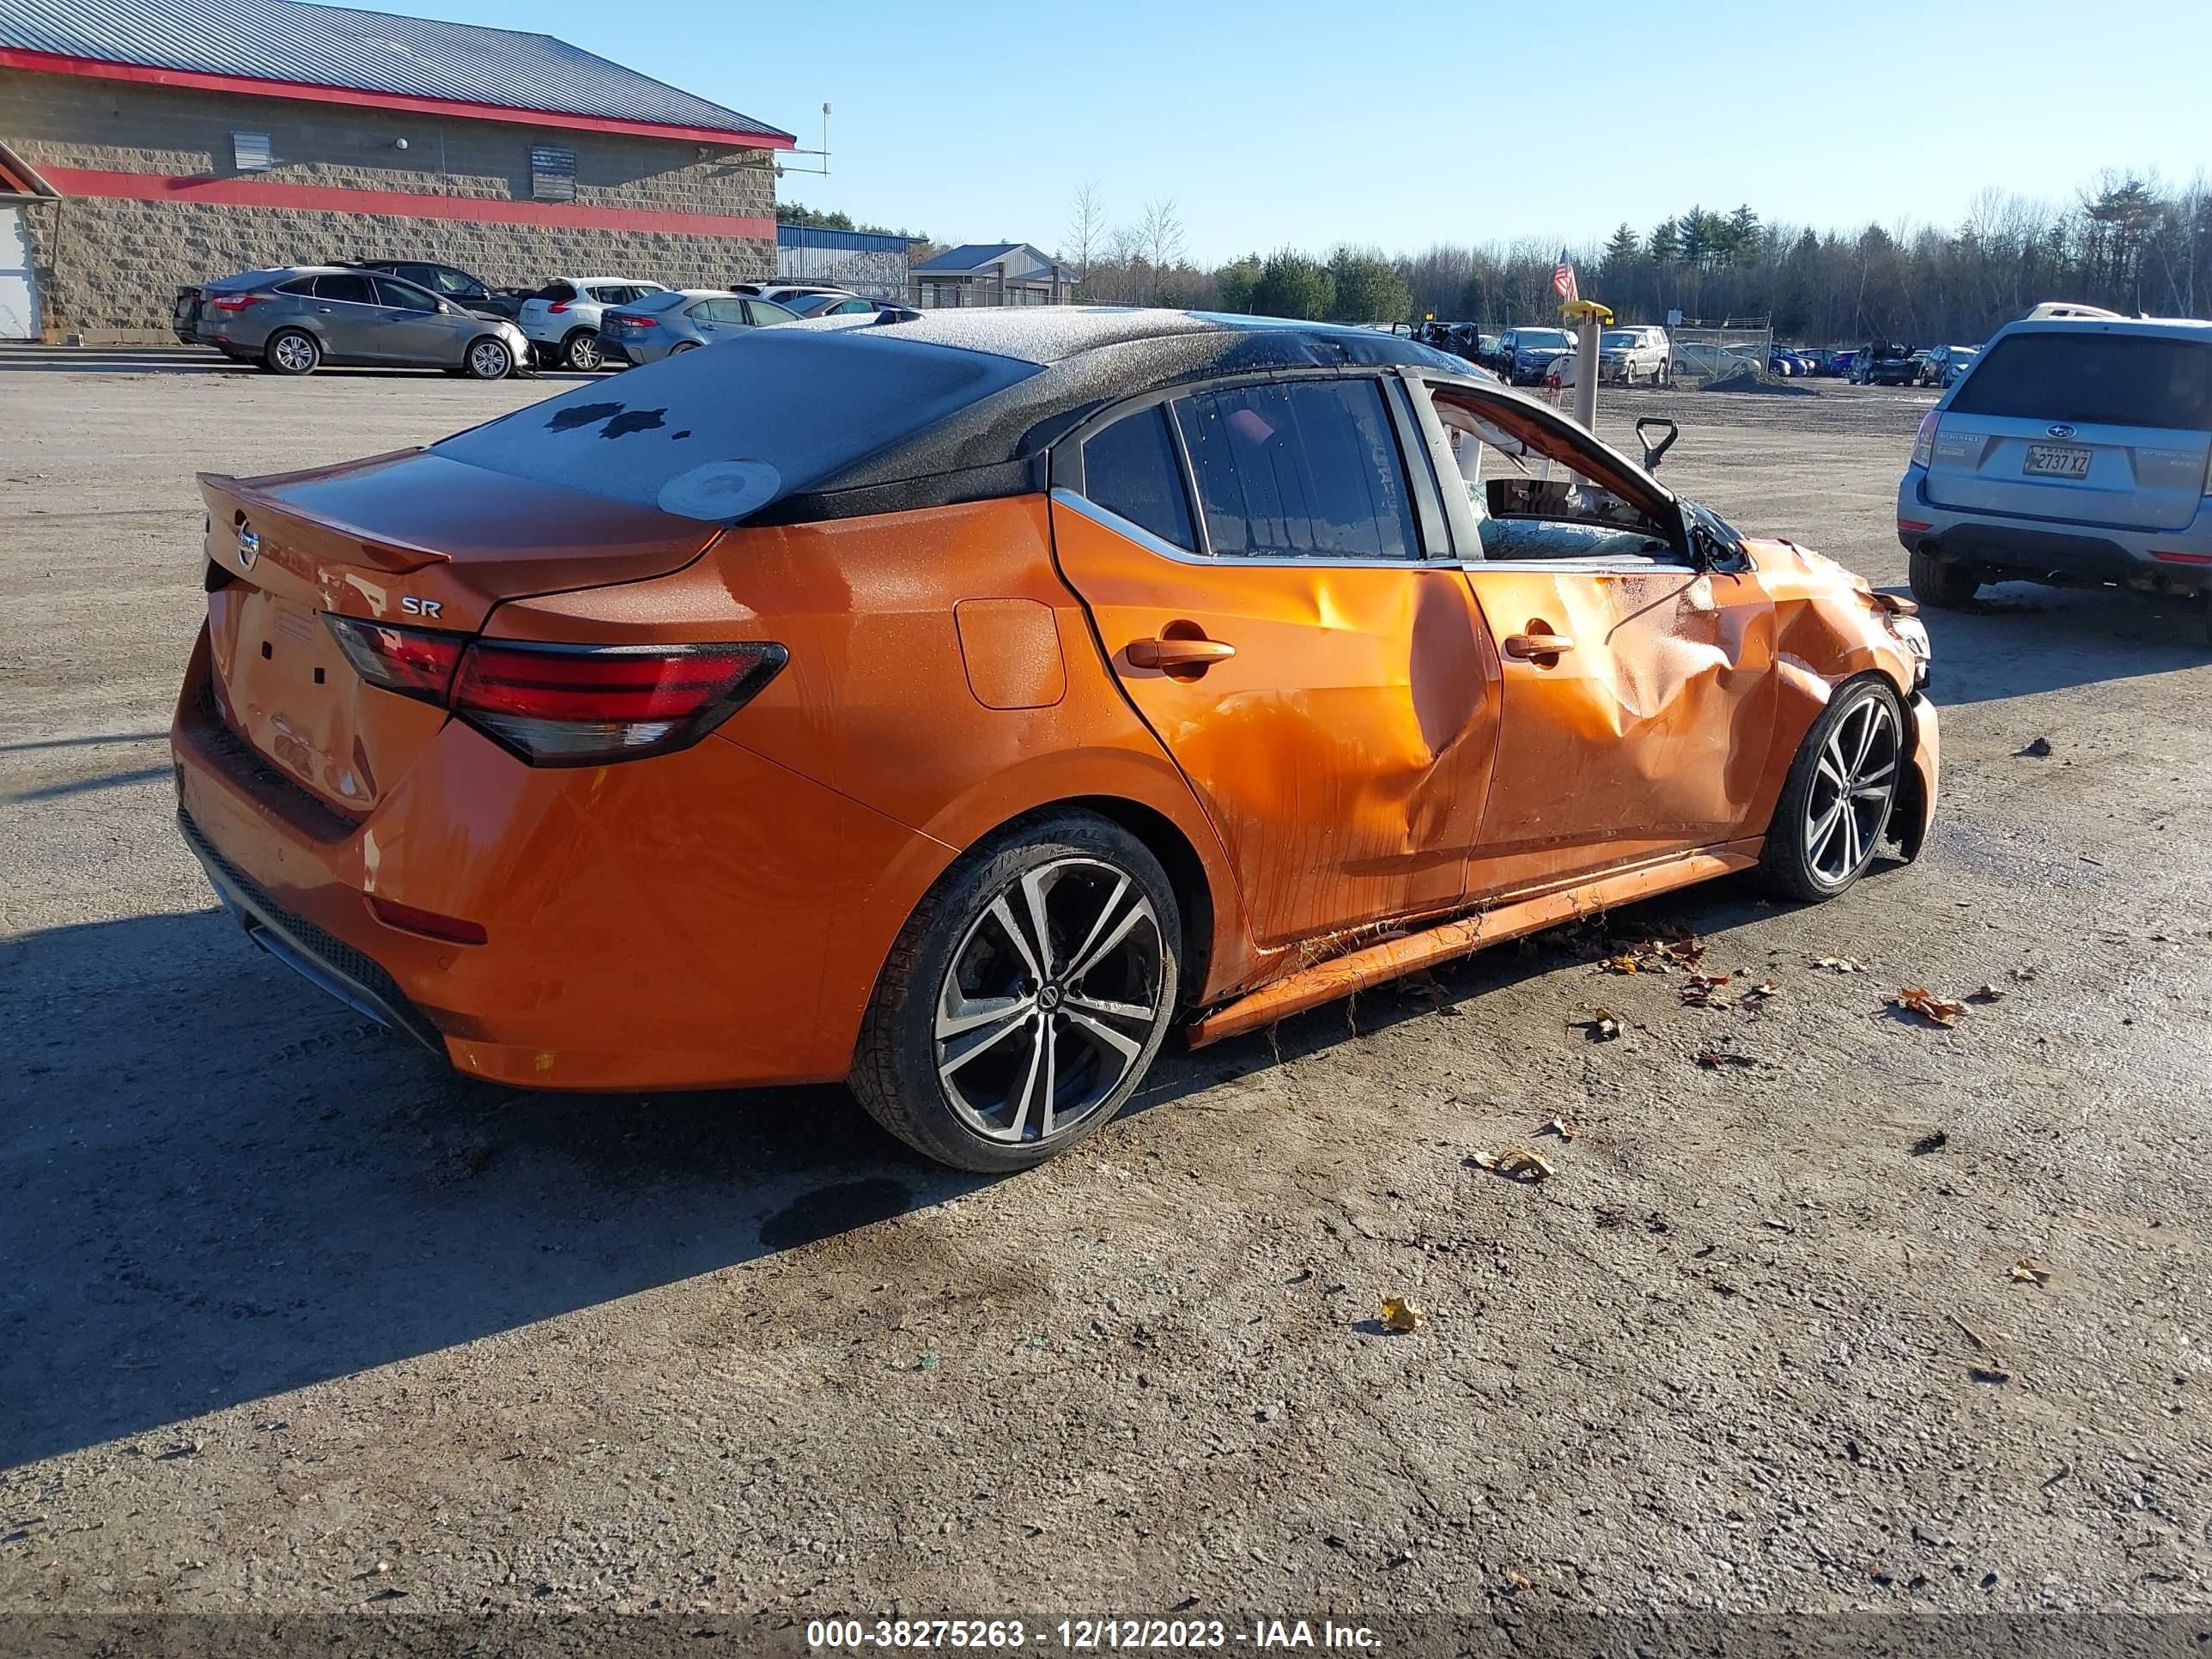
(973, 256)
(371, 51)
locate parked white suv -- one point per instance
(561, 319)
(1630, 354)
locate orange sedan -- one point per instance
(955, 705)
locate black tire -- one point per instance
(1799, 860)
(1941, 583)
(488, 358)
(580, 351)
(291, 351)
(954, 945)
(683, 346)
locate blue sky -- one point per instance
(1305, 124)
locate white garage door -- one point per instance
(19, 291)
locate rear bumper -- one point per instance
(321, 959)
(676, 922)
(2052, 550)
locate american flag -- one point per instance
(1563, 280)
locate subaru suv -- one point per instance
(2072, 453)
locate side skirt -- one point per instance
(1340, 977)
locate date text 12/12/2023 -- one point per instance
(1088, 1635)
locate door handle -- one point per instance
(1534, 648)
(1201, 654)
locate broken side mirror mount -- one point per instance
(1654, 453)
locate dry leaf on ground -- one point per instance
(2026, 1271)
(1702, 991)
(1599, 1027)
(1398, 1314)
(1937, 1011)
(1840, 965)
(1712, 1059)
(1559, 1127)
(1987, 994)
(1657, 956)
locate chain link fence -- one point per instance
(1699, 353)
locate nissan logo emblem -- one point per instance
(2060, 430)
(249, 546)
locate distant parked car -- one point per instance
(836, 303)
(1705, 360)
(1945, 364)
(1525, 356)
(1880, 362)
(2073, 453)
(463, 288)
(562, 318)
(672, 321)
(1630, 354)
(1835, 363)
(294, 319)
(1789, 361)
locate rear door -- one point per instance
(345, 313)
(1254, 560)
(2080, 423)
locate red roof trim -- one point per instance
(322, 199)
(47, 62)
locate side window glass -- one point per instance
(1131, 469)
(403, 296)
(352, 290)
(764, 313)
(1310, 470)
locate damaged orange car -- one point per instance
(957, 704)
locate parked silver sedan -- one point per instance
(294, 319)
(661, 325)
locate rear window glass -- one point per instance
(803, 403)
(1308, 469)
(2093, 378)
(1131, 469)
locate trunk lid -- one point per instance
(411, 538)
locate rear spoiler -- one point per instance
(265, 495)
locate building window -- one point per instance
(249, 152)
(552, 174)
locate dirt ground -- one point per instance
(290, 1321)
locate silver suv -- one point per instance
(294, 319)
(2072, 452)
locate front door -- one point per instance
(412, 329)
(1329, 692)
(1639, 689)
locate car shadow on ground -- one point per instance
(220, 1186)
(2016, 639)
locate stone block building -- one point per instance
(144, 149)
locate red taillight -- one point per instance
(428, 923)
(416, 662)
(564, 705)
(2172, 556)
(239, 301)
(638, 322)
(1914, 525)
(557, 308)
(569, 705)
(1924, 441)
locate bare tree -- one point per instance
(1086, 227)
(1160, 235)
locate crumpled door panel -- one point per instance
(1650, 732)
(1343, 752)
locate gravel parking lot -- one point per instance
(292, 1321)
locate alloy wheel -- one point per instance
(488, 359)
(1852, 787)
(584, 352)
(294, 353)
(1050, 1000)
